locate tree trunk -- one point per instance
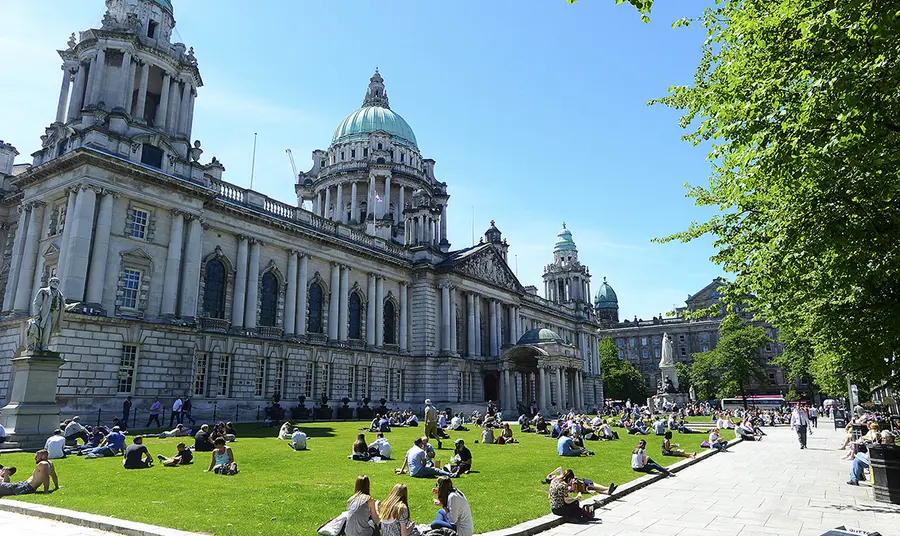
(743, 394)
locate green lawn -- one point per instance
(282, 492)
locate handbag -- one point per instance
(334, 527)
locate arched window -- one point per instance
(269, 300)
(389, 323)
(315, 308)
(214, 291)
(355, 313)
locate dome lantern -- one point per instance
(375, 115)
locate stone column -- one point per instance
(343, 326)
(142, 91)
(354, 204)
(302, 289)
(327, 203)
(77, 99)
(250, 309)
(317, 204)
(100, 253)
(240, 283)
(173, 265)
(190, 117)
(290, 299)
(129, 85)
(338, 205)
(79, 244)
(184, 110)
(445, 317)
(504, 390)
(404, 316)
(89, 83)
(478, 343)
(492, 310)
(470, 331)
(174, 104)
(370, 311)
(125, 85)
(453, 321)
(29, 257)
(191, 272)
(379, 312)
(387, 195)
(444, 223)
(335, 293)
(97, 83)
(12, 279)
(162, 110)
(63, 95)
(401, 205)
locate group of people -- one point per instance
(858, 451)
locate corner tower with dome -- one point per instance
(182, 283)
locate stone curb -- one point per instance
(549, 521)
(92, 521)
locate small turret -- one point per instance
(494, 237)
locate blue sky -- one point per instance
(535, 112)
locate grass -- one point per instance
(282, 492)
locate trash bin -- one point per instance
(859, 430)
(885, 463)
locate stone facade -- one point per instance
(181, 283)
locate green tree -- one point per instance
(797, 101)
(621, 380)
(683, 370)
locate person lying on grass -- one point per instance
(579, 485)
(222, 462)
(43, 473)
(669, 448)
(184, 457)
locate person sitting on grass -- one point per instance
(634, 428)
(455, 513)
(230, 432)
(579, 485)
(716, 441)
(298, 440)
(607, 433)
(184, 457)
(55, 445)
(380, 447)
(202, 441)
(284, 433)
(222, 462)
(565, 447)
(659, 426)
(456, 423)
(110, 446)
(669, 448)
(412, 421)
(75, 431)
(641, 463)
(506, 437)
(461, 462)
(41, 476)
(415, 462)
(487, 435)
(567, 507)
(6, 473)
(745, 430)
(136, 455)
(540, 425)
(393, 512)
(218, 431)
(360, 451)
(95, 437)
(362, 514)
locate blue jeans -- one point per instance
(430, 472)
(650, 466)
(721, 445)
(442, 520)
(102, 452)
(859, 463)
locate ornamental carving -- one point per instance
(489, 268)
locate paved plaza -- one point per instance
(11, 523)
(766, 488)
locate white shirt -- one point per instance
(637, 459)
(177, 405)
(384, 448)
(73, 428)
(813, 412)
(460, 513)
(54, 447)
(799, 418)
(714, 438)
(299, 440)
(455, 423)
(606, 430)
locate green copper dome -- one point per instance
(606, 297)
(540, 336)
(165, 4)
(359, 124)
(564, 240)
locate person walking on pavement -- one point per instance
(154, 413)
(800, 424)
(814, 416)
(176, 412)
(186, 410)
(431, 419)
(126, 410)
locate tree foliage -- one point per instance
(798, 101)
(643, 6)
(621, 380)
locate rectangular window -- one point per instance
(351, 382)
(279, 377)
(224, 385)
(681, 338)
(201, 368)
(398, 385)
(645, 354)
(352, 153)
(643, 341)
(139, 220)
(151, 29)
(310, 373)
(131, 285)
(656, 352)
(705, 348)
(362, 382)
(60, 218)
(152, 156)
(621, 354)
(325, 380)
(366, 152)
(631, 342)
(260, 377)
(127, 368)
(459, 388)
(772, 376)
(768, 347)
(683, 351)
(620, 343)
(656, 339)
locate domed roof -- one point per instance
(540, 336)
(606, 297)
(165, 4)
(564, 240)
(360, 123)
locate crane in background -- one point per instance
(293, 165)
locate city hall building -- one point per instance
(181, 283)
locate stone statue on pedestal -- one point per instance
(47, 308)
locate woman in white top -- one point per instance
(716, 441)
(487, 436)
(455, 513)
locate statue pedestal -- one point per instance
(32, 412)
(668, 371)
